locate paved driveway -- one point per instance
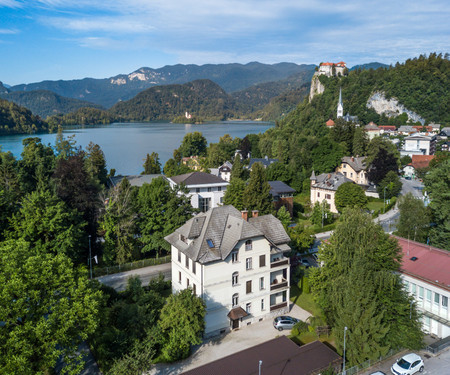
(230, 343)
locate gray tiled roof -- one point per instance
(279, 187)
(264, 161)
(136, 180)
(224, 226)
(330, 181)
(197, 178)
(357, 163)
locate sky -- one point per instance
(73, 39)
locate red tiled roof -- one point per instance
(432, 264)
(387, 127)
(341, 63)
(421, 161)
(327, 63)
(330, 122)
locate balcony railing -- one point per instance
(279, 306)
(281, 285)
(279, 262)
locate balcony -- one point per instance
(278, 285)
(277, 262)
(279, 306)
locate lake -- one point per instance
(126, 144)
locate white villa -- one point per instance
(235, 263)
(324, 187)
(419, 145)
(205, 190)
(354, 168)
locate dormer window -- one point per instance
(182, 238)
(210, 243)
(248, 245)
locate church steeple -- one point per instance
(340, 106)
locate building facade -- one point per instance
(282, 195)
(324, 187)
(419, 145)
(354, 168)
(425, 271)
(236, 264)
(205, 190)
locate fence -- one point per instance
(130, 266)
(439, 345)
(355, 369)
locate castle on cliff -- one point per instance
(329, 69)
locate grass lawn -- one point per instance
(305, 301)
(375, 205)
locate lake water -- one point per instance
(126, 144)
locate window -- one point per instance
(327, 196)
(248, 264)
(248, 245)
(235, 278)
(194, 268)
(318, 194)
(234, 256)
(261, 283)
(345, 173)
(235, 299)
(413, 288)
(187, 262)
(406, 283)
(179, 277)
(182, 238)
(248, 308)
(262, 304)
(444, 302)
(209, 190)
(179, 256)
(210, 243)
(428, 295)
(197, 190)
(219, 188)
(221, 200)
(204, 204)
(351, 174)
(262, 260)
(421, 292)
(248, 288)
(426, 320)
(187, 283)
(436, 298)
(194, 289)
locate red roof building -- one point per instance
(330, 123)
(421, 161)
(388, 128)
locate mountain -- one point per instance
(45, 103)
(202, 98)
(3, 88)
(372, 65)
(108, 91)
(15, 119)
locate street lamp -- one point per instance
(343, 367)
(90, 257)
(384, 200)
(260, 363)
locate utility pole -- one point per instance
(343, 367)
(384, 200)
(90, 258)
(260, 364)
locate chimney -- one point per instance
(244, 214)
(353, 158)
(255, 213)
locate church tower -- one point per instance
(340, 106)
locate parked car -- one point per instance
(378, 373)
(284, 322)
(305, 262)
(407, 365)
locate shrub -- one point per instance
(299, 328)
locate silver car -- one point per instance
(284, 322)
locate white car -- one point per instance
(407, 365)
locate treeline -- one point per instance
(83, 116)
(15, 119)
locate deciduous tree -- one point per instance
(392, 184)
(349, 195)
(152, 164)
(414, 221)
(193, 144)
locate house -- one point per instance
(205, 190)
(419, 145)
(264, 161)
(417, 162)
(426, 276)
(134, 180)
(354, 168)
(235, 263)
(324, 187)
(445, 132)
(282, 195)
(224, 171)
(406, 130)
(277, 356)
(332, 69)
(388, 129)
(372, 130)
(330, 124)
(193, 162)
(435, 128)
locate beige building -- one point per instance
(324, 187)
(354, 168)
(235, 263)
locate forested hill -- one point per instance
(15, 119)
(202, 98)
(421, 84)
(45, 103)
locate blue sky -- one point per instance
(71, 39)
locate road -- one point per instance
(412, 186)
(119, 280)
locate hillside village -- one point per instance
(238, 233)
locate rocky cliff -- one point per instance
(390, 107)
(316, 86)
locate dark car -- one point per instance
(284, 322)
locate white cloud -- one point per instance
(10, 3)
(9, 31)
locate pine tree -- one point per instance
(257, 193)
(235, 193)
(152, 164)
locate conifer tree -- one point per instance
(152, 164)
(257, 193)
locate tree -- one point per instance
(321, 214)
(284, 216)
(327, 155)
(437, 185)
(234, 195)
(162, 210)
(414, 220)
(39, 324)
(9, 189)
(360, 142)
(302, 238)
(182, 323)
(405, 160)
(95, 164)
(382, 157)
(279, 172)
(152, 164)
(238, 170)
(257, 193)
(193, 144)
(344, 132)
(392, 184)
(377, 313)
(174, 168)
(349, 195)
(49, 225)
